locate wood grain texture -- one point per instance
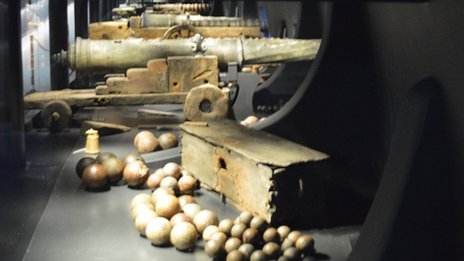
(186, 72)
(83, 98)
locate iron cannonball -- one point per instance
(160, 171)
(146, 141)
(186, 199)
(140, 198)
(172, 169)
(292, 253)
(184, 236)
(287, 243)
(237, 230)
(158, 231)
(159, 192)
(226, 225)
(209, 231)
(167, 206)
(246, 217)
(114, 168)
(95, 176)
(283, 231)
(232, 243)
(186, 172)
(154, 181)
(104, 155)
(132, 157)
(187, 184)
(82, 164)
(235, 255)
(135, 173)
(271, 235)
(305, 244)
(259, 223)
(141, 207)
(219, 237)
(214, 249)
(191, 209)
(180, 217)
(272, 250)
(169, 182)
(167, 140)
(205, 218)
(247, 249)
(258, 255)
(141, 221)
(251, 235)
(294, 235)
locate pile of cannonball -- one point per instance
(250, 237)
(146, 141)
(107, 169)
(171, 216)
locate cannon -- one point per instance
(120, 55)
(151, 25)
(162, 71)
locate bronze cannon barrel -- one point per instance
(119, 55)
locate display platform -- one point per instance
(82, 225)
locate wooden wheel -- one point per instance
(56, 115)
(205, 103)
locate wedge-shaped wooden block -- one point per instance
(186, 72)
(256, 171)
(152, 79)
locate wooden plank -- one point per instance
(83, 98)
(263, 147)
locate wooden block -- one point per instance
(142, 80)
(152, 79)
(159, 71)
(117, 84)
(255, 170)
(186, 72)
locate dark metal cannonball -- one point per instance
(272, 250)
(235, 255)
(132, 157)
(258, 255)
(95, 176)
(82, 164)
(214, 249)
(104, 155)
(114, 168)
